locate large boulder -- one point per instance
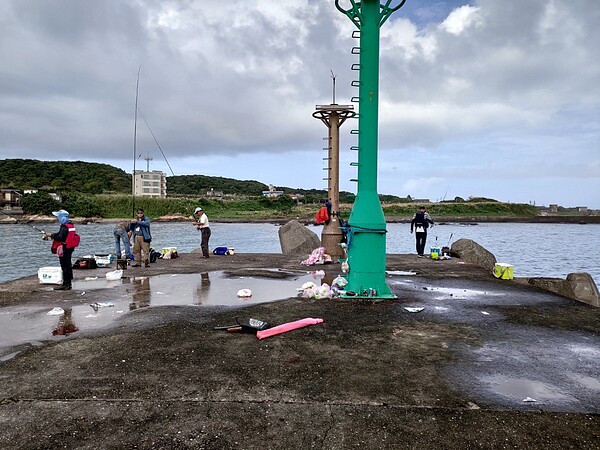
(471, 252)
(296, 239)
(579, 286)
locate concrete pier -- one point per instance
(484, 363)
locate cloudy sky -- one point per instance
(499, 99)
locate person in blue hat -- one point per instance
(60, 247)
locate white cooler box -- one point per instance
(104, 259)
(50, 275)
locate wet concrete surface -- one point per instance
(372, 375)
(26, 325)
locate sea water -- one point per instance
(536, 250)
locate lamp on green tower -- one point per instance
(367, 227)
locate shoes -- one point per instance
(419, 256)
(63, 287)
(146, 264)
(205, 257)
(135, 265)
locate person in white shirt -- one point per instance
(204, 227)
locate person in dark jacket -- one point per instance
(420, 222)
(64, 253)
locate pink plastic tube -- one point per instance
(285, 327)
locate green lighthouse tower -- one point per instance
(366, 226)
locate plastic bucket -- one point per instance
(503, 271)
(435, 253)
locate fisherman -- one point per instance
(420, 222)
(123, 233)
(63, 245)
(204, 227)
(140, 229)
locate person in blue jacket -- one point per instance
(140, 232)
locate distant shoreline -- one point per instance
(390, 219)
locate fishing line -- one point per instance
(23, 223)
(155, 140)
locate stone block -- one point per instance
(584, 288)
(470, 251)
(296, 239)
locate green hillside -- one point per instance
(63, 176)
(101, 190)
(197, 185)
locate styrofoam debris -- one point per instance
(56, 311)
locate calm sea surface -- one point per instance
(549, 250)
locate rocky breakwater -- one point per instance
(578, 286)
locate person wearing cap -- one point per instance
(204, 227)
(420, 222)
(140, 231)
(64, 253)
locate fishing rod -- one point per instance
(137, 91)
(23, 223)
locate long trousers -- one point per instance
(121, 235)
(65, 265)
(140, 246)
(204, 243)
(421, 239)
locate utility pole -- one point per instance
(333, 116)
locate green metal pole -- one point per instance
(367, 234)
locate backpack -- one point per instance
(85, 263)
(154, 255)
(73, 239)
(420, 220)
(220, 251)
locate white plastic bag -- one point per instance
(114, 275)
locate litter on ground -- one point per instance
(284, 328)
(56, 311)
(411, 309)
(98, 305)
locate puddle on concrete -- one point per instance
(460, 293)
(28, 324)
(521, 388)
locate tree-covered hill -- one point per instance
(93, 178)
(63, 176)
(199, 185)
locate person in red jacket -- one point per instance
(64, 252)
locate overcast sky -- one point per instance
(499, 99)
